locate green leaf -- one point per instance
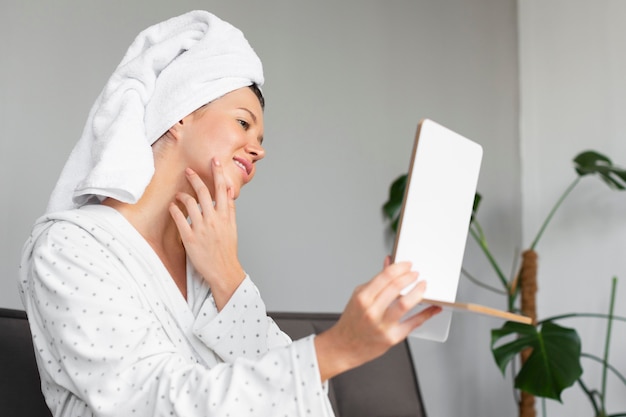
(477, 199)
(554, 363)
(392, 206)
(592, 162)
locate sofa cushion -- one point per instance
(384, 387)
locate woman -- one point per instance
(137, 301)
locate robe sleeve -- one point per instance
(103, 351)
(242, 328)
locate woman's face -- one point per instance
(230, 129)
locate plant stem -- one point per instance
(483, 245)
(554, 209)
(479, 229)
(589, 394)
(479, 236)
(572, 315)
(482, 284)
(609, 367)
(607, 342)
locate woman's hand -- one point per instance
(211, 239)
(372, 322)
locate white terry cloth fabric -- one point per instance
(170, 70)
(115, 337)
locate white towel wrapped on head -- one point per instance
(170, 70)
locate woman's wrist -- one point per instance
(333, 357)
(224, 286)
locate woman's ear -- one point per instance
(176, 131)
(182, 125)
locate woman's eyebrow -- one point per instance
(249, 112)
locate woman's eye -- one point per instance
(244, 124)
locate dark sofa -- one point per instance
(385, 387)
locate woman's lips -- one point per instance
(244, 165)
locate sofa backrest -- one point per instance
(385, 387)
(20, 389)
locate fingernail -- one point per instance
(216, 162)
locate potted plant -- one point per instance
(550, 354)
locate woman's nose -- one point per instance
(256, 150)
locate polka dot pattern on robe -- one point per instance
(114, 336)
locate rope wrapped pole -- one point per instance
(528, 292)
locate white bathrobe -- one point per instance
(114, 336)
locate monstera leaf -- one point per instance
(554, 363)
(392, 206)
(592, 162)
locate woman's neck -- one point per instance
(151, 218)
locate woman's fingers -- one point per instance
(388, 301)
(202, 191)
(403, 304)
(179, 219)
(191, 206)
(411, 323)
(219, 184)
(386, 288)
(392, 292)
(370, 291)
(223, 194)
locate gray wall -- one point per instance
(346, 85)
(572, 66)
